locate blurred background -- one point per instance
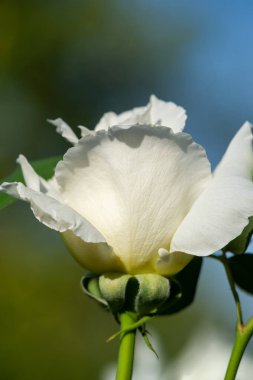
(78, 59)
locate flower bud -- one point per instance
(142, 293)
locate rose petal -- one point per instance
(32, 179)
(157, 112)
(64, 129)
(95, 257)
(124, 119)
(222, 211)
(238, 159)
(135, 186)
(167, 114)
(52, 213)
(35, 182)
(172, 263)
(84, 131)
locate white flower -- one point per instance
(137, 195)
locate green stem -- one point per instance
(243, 335)
(243, 331)
(134, 326)
(126, 350)
(225, 263)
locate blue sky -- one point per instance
(215, 78)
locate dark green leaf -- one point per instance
(183, 288)
(45, 168)
(242, 271)
(240, 244)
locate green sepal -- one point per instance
(144, 334)
(90, 286)
(142, 293)
(44, 168)
(145, 294)
(113, 289)
(242, 271)
(240, 244)
(153, 291)
(183, 288)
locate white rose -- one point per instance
(137, 195)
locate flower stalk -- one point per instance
(224, 261)
(127, 345)
(242, 338)
(243, 331)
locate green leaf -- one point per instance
(183, 288)
(242, 271)
(240, 244)
(45, 168)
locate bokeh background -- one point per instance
(77, 59)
